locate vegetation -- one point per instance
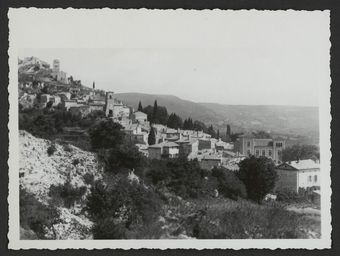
(182, 177)
(152, 136)
(298, 152)
(174, 121)
(51, 149)
(66, 194)
(259, 177)
(35, 215)
(107, 134)
(122, 158)
(126, 206)
(229, 185)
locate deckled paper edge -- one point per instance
(13, 197)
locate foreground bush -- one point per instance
(124, 207)
(229, 185)
(66, 194)
(245, 220)
(259, 177)
(36, 216)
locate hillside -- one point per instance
(38, 172)
(277, 119)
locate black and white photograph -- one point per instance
(169, 129)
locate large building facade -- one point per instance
(268, 147)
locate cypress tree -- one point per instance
(152, 137)
(140, 108)
(155, 112)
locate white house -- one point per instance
(298, 174)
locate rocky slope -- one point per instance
(39, 171)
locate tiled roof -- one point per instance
(304, 164)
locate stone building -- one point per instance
(115, 108)
(298, 174)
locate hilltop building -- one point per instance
(298, 174)
(59, 75)
(115, 108)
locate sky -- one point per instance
(262, 59)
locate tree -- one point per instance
(262, 135)
(188, 124)
(211, 131)
(228, 133)
(174, 121)
(149, 111)
(229, 185)
(122, 157)
(298, 152)
(258, 175)
(152, 136)
(117, 209)
(199, 126)
(106, 134)
(140, 108)
(155, 112)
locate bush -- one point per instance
(106, 134)
(88, 178)
(36, 216)
(128, 205)
(122, 157)
(75, 162)
(67, 148)
(258, 175)
(245, 220)
(182, 177)
(229, 185)
(51, 149)
(66, 194)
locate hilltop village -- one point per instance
(94, 167)
(43, 87)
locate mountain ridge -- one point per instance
(300, 120)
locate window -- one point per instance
(269, 152)
(263, 152)
(257, 153)
(309, 178)
(278, 144)
(315, 178)
(248, 144)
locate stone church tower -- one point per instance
(109, 104)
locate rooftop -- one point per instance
(304, 164)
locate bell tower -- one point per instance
(109, 104)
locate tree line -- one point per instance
(159, 115)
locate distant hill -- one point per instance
(277, 119)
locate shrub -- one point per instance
(36, 216)
(229, 185)
(51, 149)
(288, 196)
(66, 194)
(106, 134)
(122, 157)
(182, 177)
(128, 205)
(88, 178)
(75, 161)
(245, 220)
(67, 148)
(258, 175)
